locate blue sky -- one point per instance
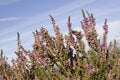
(25, 16)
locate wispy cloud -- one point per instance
(68, 8)
(6, 40)
(7, 2)
(114, 30)
(38, 18)
(8, 19)
(71, 6)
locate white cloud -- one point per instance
(8, 19)
(114, 31)
(7, 2)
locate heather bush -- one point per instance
(64, 57)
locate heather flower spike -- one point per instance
(18, 37)
(92, 15)
(83, 13)
(81, 22)
(88, 13)
(1, 53)
(69, 19)
(36, 32)
(18, 40)
(52, 19)
(105, 22)
(69, 24)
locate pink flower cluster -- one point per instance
(64, 57)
